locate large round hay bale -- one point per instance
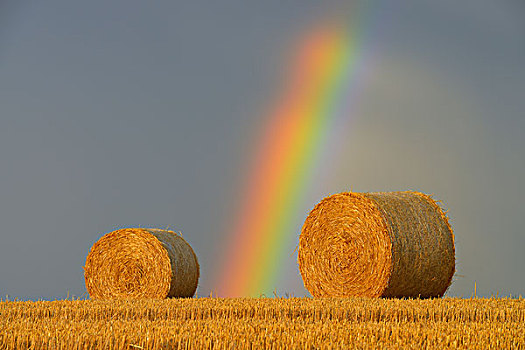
(385, 244)
(141, 263)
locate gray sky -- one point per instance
(133, 113)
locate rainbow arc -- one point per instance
(288, 151)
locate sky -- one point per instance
(132, 113)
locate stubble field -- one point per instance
(273, 323)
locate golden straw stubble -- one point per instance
(141, 263)
(264, 323)
(384, 244)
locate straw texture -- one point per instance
(141, 263)
(385, 244)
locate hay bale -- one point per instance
(385, 244)
(141, 263)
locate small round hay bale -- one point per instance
(385, 244)
(141, 263)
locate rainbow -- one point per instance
(289, 150)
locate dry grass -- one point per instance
(141, 263)
(390, 244)
(301, 323)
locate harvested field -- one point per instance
(324, 323)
